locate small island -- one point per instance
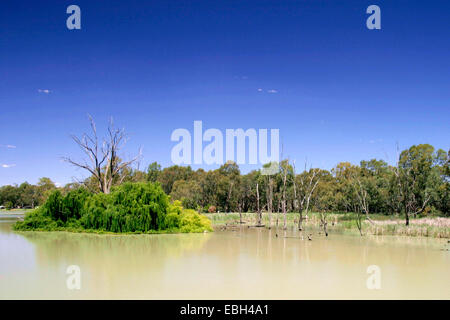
(128, 208)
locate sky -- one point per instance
(336, 90)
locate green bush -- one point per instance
(129, 208)
(191, 221)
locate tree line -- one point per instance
(26, 195)
(419, 184)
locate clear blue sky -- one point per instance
(343, 92)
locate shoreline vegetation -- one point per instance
(130, 208)
(337, 223)
(432, 227)
(374, 197)
(15, 211)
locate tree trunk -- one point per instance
(269, 202)
(284, 206)
(300, 218)
(240, 213)
(259, 215)
(406, 212)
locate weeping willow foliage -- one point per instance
(129, 208)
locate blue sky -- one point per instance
(343, 92)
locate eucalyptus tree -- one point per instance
(168, 176)
(229, 178)
(416, 177)
(188, 192)
(153, 171)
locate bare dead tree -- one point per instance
(362, 196)
(278, 209)
(240, 210)
(295, 204)
(269, 198)
(401, 186)
(230, 190)
(104, 163)
(359, 222)
(307, 186)
(283, 204)
(259, 213)
(414, 206)
(323, 222)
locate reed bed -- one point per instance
(435, 227)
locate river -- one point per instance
(247, 263)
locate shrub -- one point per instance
(131, 207)
(192, 221)
(8, 205)
(172, 221)
(212, 209)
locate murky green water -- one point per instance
(241, 264)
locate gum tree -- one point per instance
(104, 163)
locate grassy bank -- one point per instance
(434, 227)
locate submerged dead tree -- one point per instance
(269, 194)
(362, 196)
(104, 163)
(284, 166)
(259, 212)
(359, 222)
(323, 222)
(308, 183)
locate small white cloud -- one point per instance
(272, 91)
(44, 91)
(260, 90)
(57, 184)
(8, 165)
(9, 146)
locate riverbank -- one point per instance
(433, 227)
(15, 211)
